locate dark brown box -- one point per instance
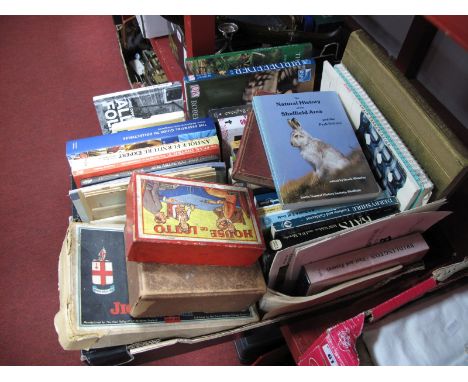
(171, 289)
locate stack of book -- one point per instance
(179, 227)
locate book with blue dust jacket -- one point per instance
(313, 152)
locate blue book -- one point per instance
(174, 132)
(111, 156)
(313, 152)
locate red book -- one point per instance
(179, 221)
(251, 165)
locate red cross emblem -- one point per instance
(102, 273)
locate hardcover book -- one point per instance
(177, 221)
(302, 228)
(442, 155)
(220, 63)
(172, 289)
(137, 104)
(312, 150)
(394, 166)
(237, 86)
(251, 165)
(165, 145)
(94, 305)
(337, 269)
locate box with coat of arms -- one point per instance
(179, 221)
(94, 297)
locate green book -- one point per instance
(219, 63)
(236, 87)
(433, 144)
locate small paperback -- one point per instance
(94, 302)
(313, 153)
(140, 104)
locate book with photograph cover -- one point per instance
(393, 164)
(192, 141)
(179, 221)
(141, 104)
(312, 150)
(237, 86)
(440, 152)
(220, 63)
(94, 304)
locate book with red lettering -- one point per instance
(94, 301)
(105, 157)
(318, 275)
(180, 221)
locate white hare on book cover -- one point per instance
(323, 158)
(312, 149)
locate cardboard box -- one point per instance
(172, 289)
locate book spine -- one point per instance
(158, 162)
(289, 237)
(287, 53)
(263, 133)
(163, 133)
(321, 214)
(249, 70)
(144, 154)
(400, 251)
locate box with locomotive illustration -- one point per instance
(178, 221)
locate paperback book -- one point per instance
(394, 166)
(220, 63)
(192, 141)
(237, 86)
(94, 305)
(312, 150)
(178, 221)
(137, 104)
